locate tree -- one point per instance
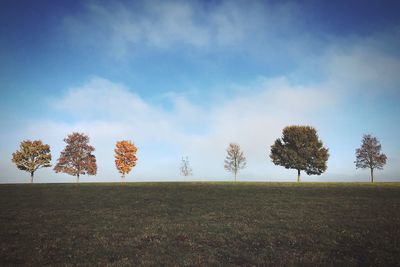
(125, 157)
(369, 155)
(77, 157)
(235, 160)
(186, 170)
(300, 149)
(31, 156)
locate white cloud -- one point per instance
(364, 69)
(173, 22)
(122, 28)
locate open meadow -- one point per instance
(200, 224)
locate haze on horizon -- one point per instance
(186, 78)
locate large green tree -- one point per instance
(299, 148)
(31, 156)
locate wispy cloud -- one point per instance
(122, 28)
(364, 68)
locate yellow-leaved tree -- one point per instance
(125, 157)
(31, 156)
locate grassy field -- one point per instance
(200, 224)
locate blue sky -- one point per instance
(185, 78)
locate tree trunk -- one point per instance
(298, 176)
(77, 178)
(31, 177)
(235, 176)
(123, 178)
(372, 175)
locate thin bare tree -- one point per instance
(186, 170)
(235, 160)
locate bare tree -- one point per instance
(235, 160)
(77, 157)
(31, 156)
(369, 155)
(186, 170)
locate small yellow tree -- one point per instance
(125, 157)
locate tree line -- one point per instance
(76, 159)
(299, 148)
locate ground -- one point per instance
(200, 224)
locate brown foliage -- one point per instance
(31, 156)
(125, 156)
(369, 155)
(77, 157)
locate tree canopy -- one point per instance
(125, 157)
(77, 157)
(31, 156)
(299, 148)
(369, 155)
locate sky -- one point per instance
(186, 78)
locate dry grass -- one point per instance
(200, 224)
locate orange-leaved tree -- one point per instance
(125, 157)
(77, 157)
